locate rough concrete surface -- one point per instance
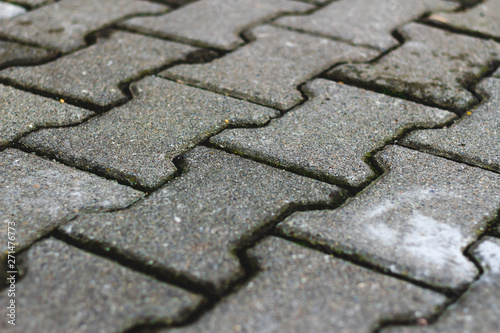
(12, 54)
(267, 71)
(137, 142)
(331, 135)
(192, 225)
(95, 74)
(416, 220)
(432, 66)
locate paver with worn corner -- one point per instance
(68, 290)
(8, 10)
(474, 139)
(136, 142)
(478, 310)
(192, 225)
(416, 220)
(331, 135)
(37, 195)
(364, 22)
(269, 69)
(65, 24)
(301, 290)
(95, 74)
(215, 23)
(22, 112)
(433, 66)
(14, 54)
(482, 19)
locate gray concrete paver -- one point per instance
(94, 74)
(331, 134)
(475, 138)
(478, 310)
(64, 25)
(268, 70)
(192, 225)
(416, 220)
(301, 290)
(37, 195)
(372, 25)
(214, 23)
(68, 290)
(433, 66)
(136, 142)
(16, 54)
(482, 19)
(22, 112)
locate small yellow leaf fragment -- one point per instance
(61, 100)
(437, 18)
(226, 121)
(469, 113)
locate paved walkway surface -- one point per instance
(249, 166)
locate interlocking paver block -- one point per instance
(364, 22)
(474, 139)
(482, 18)
(17, 54)
(415, 220)
(478, 310)
(301, 290)
(269, 69)
(8, 10)
(38, 195)
(68, 290)
(192, 225)
(331, 134)
(215, 23)
(136, 142)
(94, 74)
(22, 112)
(433, 66)
(64, 25)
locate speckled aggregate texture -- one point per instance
(331, 134)
(269, 69)
(192, 225)
(68, 290)
(482, 19)
(215, 23)
(94, 74)
(478, 310)
(136, 143)
(65, 24)
(22, 112)
(298, 289)
(364, 22)
(416, 220)
(475, 138)
(433, 66)
(8, 10)
(12, 54)
(38, 195)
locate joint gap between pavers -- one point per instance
(172, 4)
(458, 31)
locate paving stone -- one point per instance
(136, 142)
(8, 10)
(17, 54)
(215, 23)
(22, 112)
(497, 74)
(38, 195)
(192, 225)
(33, 3)
(416, 220)
(68, 290)
(373, 25)
(268, 70)
(433, 66)
(331, 135)
(478, 310)
(482, 18)
(475, 138)
(301, 290)
(65, 24)
(94, 74)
